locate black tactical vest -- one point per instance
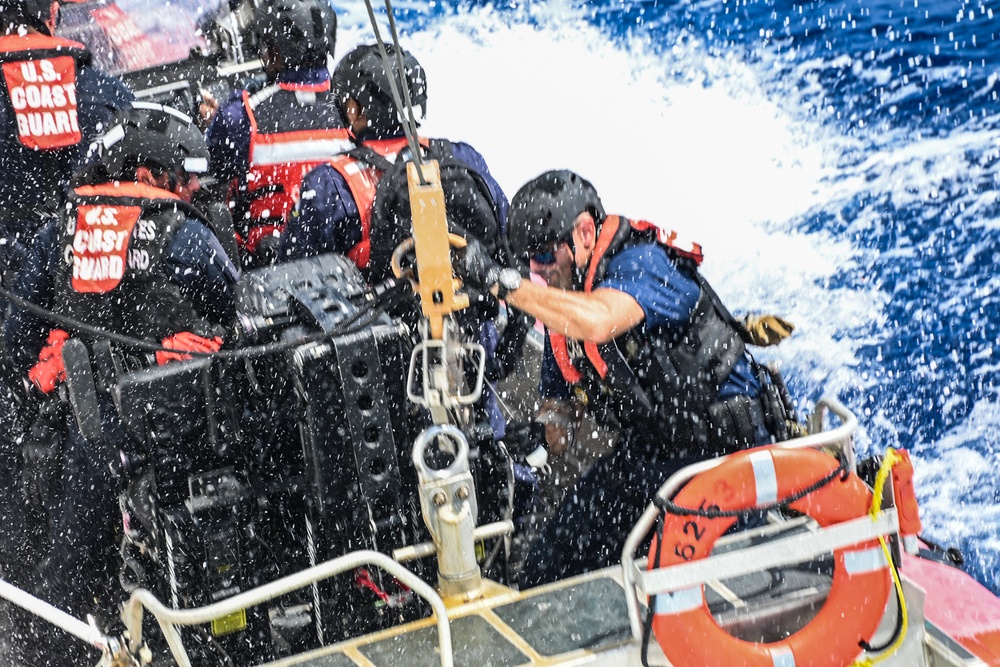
(658, 384)
(113, 272)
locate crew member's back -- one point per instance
(344, 206)
(130, 255)
(263, 141)
(53, 104)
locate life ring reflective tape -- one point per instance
(683, 625)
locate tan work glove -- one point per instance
(561, 419)
(767, 330)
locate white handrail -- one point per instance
(55, 616)
(840, 438)
(425, 549)
(169, 618)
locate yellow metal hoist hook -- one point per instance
(432, 242)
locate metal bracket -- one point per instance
(438, 389)
(448, 502)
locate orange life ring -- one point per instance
(685, 629)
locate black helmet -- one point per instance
(302, 31)
(152, 135)
(544, 210)
(34, 13)
(361, 75)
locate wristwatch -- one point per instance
(508, 281)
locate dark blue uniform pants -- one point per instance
(589, 530)
(78, 573)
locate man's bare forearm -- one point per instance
(597, 316)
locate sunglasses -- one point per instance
(547, 255)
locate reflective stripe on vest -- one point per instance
(312, 146)
(40, 76)
(609, 229)
(298, 146)
(283, 159)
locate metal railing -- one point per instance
(639, 582)
(57, 617)
(169, 618)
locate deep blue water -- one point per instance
(917, 79)
(903, 98)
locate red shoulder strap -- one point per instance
(670, 239)
(387, 147)
(318, 87)
(569, 372)
(362, 180)
(595, 358)
(608, 230)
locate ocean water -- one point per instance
(839, 162)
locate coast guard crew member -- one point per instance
(263, 141)
(129, 255)
(53, 104)
(643, 342)
(336, 211)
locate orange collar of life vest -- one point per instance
(125, 189)
(10, 44)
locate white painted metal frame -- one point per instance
(640, 582)
(434, 392)
(169, 618)
(57, 617)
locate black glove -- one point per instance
(41, 454)
(483, 306)
(474, 265)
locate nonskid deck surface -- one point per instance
(556, 624)
(577, 619)
(584, 620)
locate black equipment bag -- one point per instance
(468, 202)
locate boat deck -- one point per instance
(584, 620)
(577, 621)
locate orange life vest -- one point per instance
(652, 380)
(613, 235)
(362, 179)
(114, 243)
(39, 74)
(285, 148)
